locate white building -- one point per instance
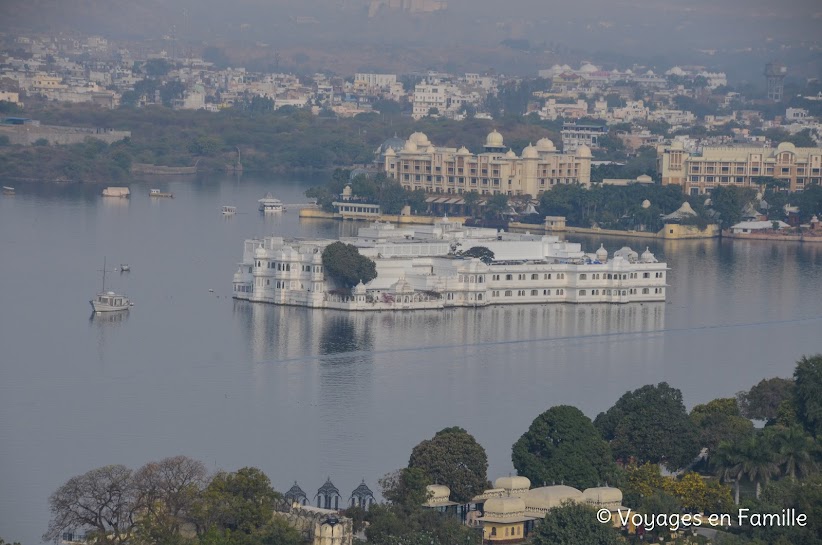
(419, 268)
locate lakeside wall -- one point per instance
(802, 237)
(671, 231)
(390, 218)
(30, 133)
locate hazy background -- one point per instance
(339, 35)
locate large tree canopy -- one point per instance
(563, 446)
(762, 401)
(453, 458)
(808, 377)
(574, 524)
(650, 424)
(344, 264)
(720, 420)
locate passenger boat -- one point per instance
(269, 204)
(158, 193)
(121, 192)
(8, 190)
(228, 210)
(109, 301)
(124, 267)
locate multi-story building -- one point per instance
(699, 173)
(575, 136)
(421, 165)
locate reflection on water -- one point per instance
(281, 333)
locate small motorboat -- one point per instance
(8, 190)
(124, 267)
(158, 193)
(229, 210)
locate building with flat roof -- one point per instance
(421, 165)
(699, 172)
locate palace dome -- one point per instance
(513, 483)
(504, 507)
(410, 146)
(786, 146)
(646, 204)
(510, 154)
(438, 492)
(545, 144)
(359, 289)
(463, 151)
(547, 497)
(602, 253)
(530, 152)
(647, 257)
(583, 151)
(603, 495)
(420, 139)
(494, 140)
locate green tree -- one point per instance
(344, 264)
(757, 461)
(240, 502)
(496, 206)
(392, 198)
(727, 463)
(562, 445)
(650, 424)
(455, 459)
(762, 401)
(574, 524)
(720, 420)
(795, 450)
(808, 393)
(480, 252)
(471, 199)
(729, 202)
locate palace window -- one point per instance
(535, 277)
(582, 293)
(546, 292)
(534, 292)
(583, 276)
(547, 276)
(645, 291)
(509, 276)
(508, 293)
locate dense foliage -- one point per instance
(808, 393)
(763, 400)
(563, 446)
(114, 505)
(453, 458)
(720, 420)
(574, 524)
(650, 424)
(346, 266)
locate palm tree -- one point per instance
(471, 198)
(757, 461)
(727, 462)
(795, 450)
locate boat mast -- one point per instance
(104, 275)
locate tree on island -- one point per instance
(480, 252)
(720, 420)
(650, 424)
(562, 445)
(346, 266)
(730, 202)
(574, 524)
(455, 459)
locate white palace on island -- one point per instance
(420, 267)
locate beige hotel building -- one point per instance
(698, 174)
(497, 170)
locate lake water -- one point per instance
(307, 394)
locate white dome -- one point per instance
(390, 152)
(410, 146)
(513, 483)
(545, 144)
(785, 146)
(504, 507)
(602, 253)
(510, 154)
(647, 257)
(547, 497)
(438, 491)
(603, 495)
(420, 139)
(359, 289)
(494, 139)
(530, 152)
(646, 204)
(463, 151)
(644, 178)
(588, 68)
(583, 151)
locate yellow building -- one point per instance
(421, 165)
(698, 174)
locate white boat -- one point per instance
(158, 193)
(8, 190)
(109, 301)
(270, 204)
(124, 267)
(229, 210)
